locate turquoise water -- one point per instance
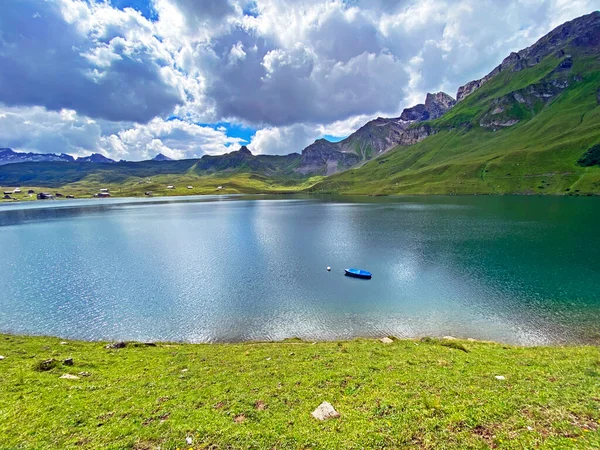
(522, 270)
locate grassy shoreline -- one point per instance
(181, 193)
(426, 393)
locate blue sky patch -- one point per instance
(142, 6)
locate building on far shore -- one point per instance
(44, 196)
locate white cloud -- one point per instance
(283, 140)
(107, 80)
(36, 129)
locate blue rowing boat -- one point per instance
(357, 273)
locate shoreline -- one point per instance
(296, 193)
(296, 340)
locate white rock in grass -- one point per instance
(449, 338)
(386, 340)
(68, 376)
(500, 377)
(188, 440)
(1, 358)
(325, 411)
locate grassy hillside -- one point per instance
(415, 394)
(538, 155)
(237, 172)
(243, 183)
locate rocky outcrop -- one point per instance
(417, 113)
(581, 34)
(510, 109)
(374, 138)
(435, 106)
(438, 104)
(416, 134)
(324, 157)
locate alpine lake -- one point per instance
(515, 269)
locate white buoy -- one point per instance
(328, 269)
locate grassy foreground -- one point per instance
(413, 394)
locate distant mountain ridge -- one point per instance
(9, 156)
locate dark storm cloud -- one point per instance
(43, 63)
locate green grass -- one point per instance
(414, 394)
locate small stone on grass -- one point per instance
(68, 376)
(1, 357)
(325, 411)
(260, 405)
(68, 362)
(386, 340)
(189, 440)
(500, 377)
(116, 345)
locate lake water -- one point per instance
(522, 270)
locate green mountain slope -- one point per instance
(235, 172)
(522, 129)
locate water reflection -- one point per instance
(513, 269)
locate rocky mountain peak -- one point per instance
(416, 113)
(438, 103)
(95, 158)
(244, 150)
(161, 157)
(435, 105)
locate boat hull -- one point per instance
(358, 274)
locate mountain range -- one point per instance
(320, 158)
(9, 156)
(526, 127)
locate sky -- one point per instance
(134, 78)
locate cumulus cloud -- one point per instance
(111, 80)
(98, 61)
(283, 140)
(36, 129)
